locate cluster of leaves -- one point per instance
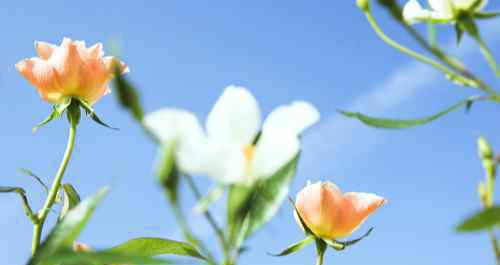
(57, 248)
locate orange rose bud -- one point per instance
(80, 247)
(70, 70)
(330, 214)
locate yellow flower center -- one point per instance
(248, 153)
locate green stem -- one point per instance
(494, 243)
(209, 217)
(179, 215)
(450, 61)
(487, 55)
(188, 235)
(449, 73)
(319, 259)
(51, 198)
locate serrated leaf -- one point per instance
(149, 247)
(37, 178)
(482, 220)
(400, 123)
(91, 113)
(69, 257)
(70, 200)
(259, 203)
(127, 95)
(213, 195)
(66, 232)
(57, 111)
(295, 247)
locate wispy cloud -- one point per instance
(338, 134)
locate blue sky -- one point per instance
(183, 53)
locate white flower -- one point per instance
(226, 152)
(441, 11)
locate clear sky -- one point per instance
(183, 53)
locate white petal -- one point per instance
(443, 8)
(225, 162)
(171, 124)
(413, 12)
(273, 151)
(292, 119)
(235, 117)
(467, 4)
(191, 155)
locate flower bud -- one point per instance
(330, 214)
(485, 150)
(363, 5)
(80, 247)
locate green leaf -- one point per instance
(149, 247)
(91, 113)
(37, 178)
(65, 233)
(4, 189)
(260, 202)
(401, 124)
(482, 220)
(467, 24)
(166, 171)
(70, 200)
(459, 33)
(270, 195)
(341, 245)
(301, 221)
(213, 195)
(486, 15)
(127, 96)
(295, 247)
(22, 194)
(57, 111)
(69, 257)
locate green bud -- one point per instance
(363, 5)
(490, 168)
(485, 150)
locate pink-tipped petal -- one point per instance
(96, 51)
(44, 49)
(356, 208)
(41, 75)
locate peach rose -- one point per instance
(330, 214)
(70, 70)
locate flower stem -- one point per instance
(51, 198)
(487, 55)
(209, 217)
(319, 259)
(494, 243)
(449, 73)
